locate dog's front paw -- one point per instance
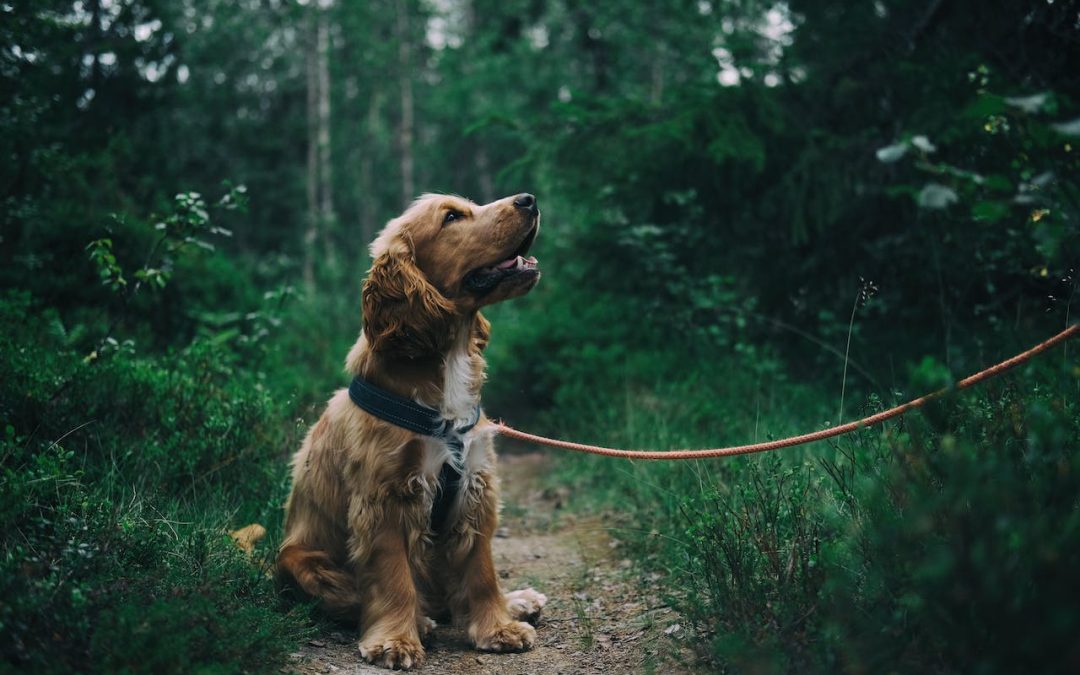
(525, 605)
(515, 636)
(398, 653)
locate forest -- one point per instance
(760, 218)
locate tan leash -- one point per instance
(877, 418)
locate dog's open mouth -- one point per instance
(517, 263)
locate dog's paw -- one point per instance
(525, 605)
(516, 636)
(424, 626)
(400, 653)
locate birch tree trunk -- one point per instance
(327, 218)
(367, 169)
(482, 162)
(311, 232)
(405, 81)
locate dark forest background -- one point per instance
(758, 218)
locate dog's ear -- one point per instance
(403, 313)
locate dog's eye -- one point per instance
(451, 216)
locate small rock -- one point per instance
(504, 574)
(317, 643)
(502, 533)
(479, 660)
(296, 656)
(672, 629)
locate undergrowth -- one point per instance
(119, 483)
(948, 541)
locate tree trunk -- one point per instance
(311, 232)
(483, 173)
(368, 210)
(481, 159)
(408, 189)
(327, 216)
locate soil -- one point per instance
(598, 618)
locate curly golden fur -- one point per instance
(357, 531)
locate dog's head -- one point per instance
(446, 257)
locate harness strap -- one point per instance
(427, 421)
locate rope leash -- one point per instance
(877, 418)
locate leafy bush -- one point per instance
(960, 538)
(946, 542)
(99, 581)
(121, 476)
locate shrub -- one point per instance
(119, 480)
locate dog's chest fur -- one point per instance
(463, 375)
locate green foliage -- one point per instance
(959, 543)
(718, 181)
(101, 254)
(116, 556)
(104, 582)
(942, 543)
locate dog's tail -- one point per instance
(315, 574)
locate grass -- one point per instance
(948, 541)
(944, 542)
(117, 494)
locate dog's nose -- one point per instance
(525, 201)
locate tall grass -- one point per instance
(945, 542)
(119, 479)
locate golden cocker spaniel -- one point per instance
(394, 496)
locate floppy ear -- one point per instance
(403, 313)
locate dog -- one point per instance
(394, 498)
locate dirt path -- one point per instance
(596, 621)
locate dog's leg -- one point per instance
(390, 612)
(317, 576)
(477, 595)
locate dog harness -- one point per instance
(421, 419)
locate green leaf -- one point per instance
(984, 106)
(989, 211)
(999, 183)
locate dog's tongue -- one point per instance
(516, 261)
